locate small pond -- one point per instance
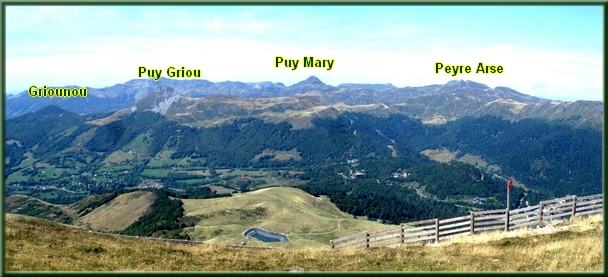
(265, 236)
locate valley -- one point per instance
(296, 161)
(276, 137)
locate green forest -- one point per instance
(551, 159)
(165, 216)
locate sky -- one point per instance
(553, 52)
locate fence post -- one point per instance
(331, 243)
(472, 223)
(402, 234)
(573, 207)
(507, 220)
(540, 213)
(436, 230)
(366, 239)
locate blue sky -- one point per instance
(552, 52)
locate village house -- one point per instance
(399, 175)
(478, 200)
(357, 175)
(154, 185)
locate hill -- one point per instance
(38, 245)
(100, 212)
(433, 104)
(306, 220)
(218, 110)
(120, 212)
(262, 147)
(25, 205)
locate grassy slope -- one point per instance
(80, 206)
(20, 204)
(38, 245)
(308, 221)
(305, 219)
(121, 212)
(446, 156)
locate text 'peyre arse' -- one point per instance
(462, 69)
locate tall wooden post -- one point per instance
(540, 213)
(402, 234)
(472, 223)
(508, 197)
(507, 220)
(509, 184)
(573, 207)
(436, 230)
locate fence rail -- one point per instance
(434, 230)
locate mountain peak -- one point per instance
(51, 109)
(159, 100)
(165, 91)
(465, 84)
(310, 81)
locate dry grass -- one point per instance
(119, 213)
(305, 219)
(220, 190)
(579, 224)
(109, 119)
(38, 245)
(279, 155)
(33, 206)
(443, 155)
(514, 106)
(118, 157)
(203, 173)
(446, 156)
(217, 110)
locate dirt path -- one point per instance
(420, 193)
(323, 233)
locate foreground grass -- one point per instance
(39, 245)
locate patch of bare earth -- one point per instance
(442, 155)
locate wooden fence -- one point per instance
(434, 230)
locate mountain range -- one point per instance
(432, 104)
(446, 144)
